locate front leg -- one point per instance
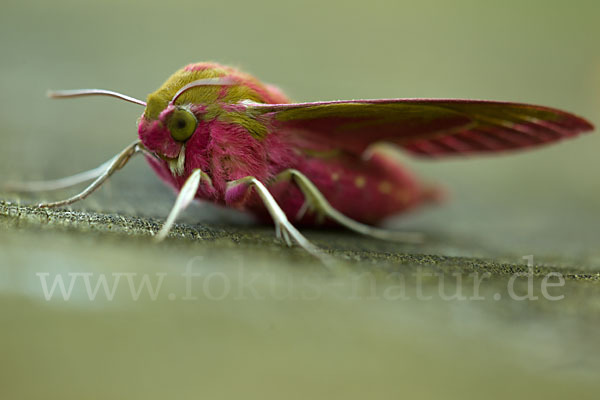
(187, 193)
(283, 227)
(100, 174)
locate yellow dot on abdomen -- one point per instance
(385, 187)
(360, 181)
(335, 176)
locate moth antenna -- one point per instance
(63, 94)
(203, 82)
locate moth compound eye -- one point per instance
(182, 124)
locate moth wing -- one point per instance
(424, 127)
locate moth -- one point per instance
(215, 133)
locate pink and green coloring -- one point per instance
(233, 140)
(217, 134)
(230, 126)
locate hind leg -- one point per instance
(283, 228)
(316, 202)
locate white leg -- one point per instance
(184, 198)
(316, 202)
(57, 184)
(113, 165)
(283, 227)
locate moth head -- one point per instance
(175, 114)
(173, 127)
(174, 117)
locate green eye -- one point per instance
(182, 124)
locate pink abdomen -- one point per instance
(366, 191)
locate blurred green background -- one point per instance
(545, 203)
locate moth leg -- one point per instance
(315, 201)
(113, 165)
(57, 184)
(66, 182)
(283, 227)
(184, 198)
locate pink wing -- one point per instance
(425, 127)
